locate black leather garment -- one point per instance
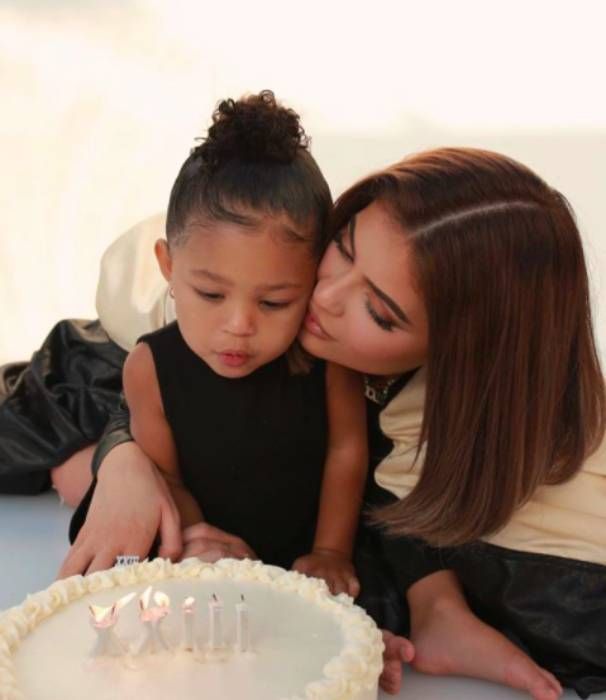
(56, 404)
(553, 608)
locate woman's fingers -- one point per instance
(103, 560)
(76, 562)
(171, 542)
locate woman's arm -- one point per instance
(343, 482)
(151, 430)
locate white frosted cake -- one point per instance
(235, 630)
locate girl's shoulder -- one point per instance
(173, 358)
(168, 333)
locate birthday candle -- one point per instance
(215, 613)
(162, 609)
(151, 617)
(188, 608)
(242, 626)
(103, 621)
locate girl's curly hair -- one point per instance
(255, 128)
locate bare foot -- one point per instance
(450, 640)
(72, 478)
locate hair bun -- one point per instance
(253, 128)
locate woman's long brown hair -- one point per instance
(515, 395)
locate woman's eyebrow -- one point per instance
(389, 302)
(386, 299)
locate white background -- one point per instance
(100, 101)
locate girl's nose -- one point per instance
(241, 322)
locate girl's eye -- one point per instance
(338, 239)
(272, 305)
(209, 296)
(384, 323)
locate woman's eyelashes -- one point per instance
(267, 304)
(341, 246)
(385, 323)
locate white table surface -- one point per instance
(33, 542)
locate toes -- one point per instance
(526, 675)
(544, 691)
(552, 680)
(545, 688)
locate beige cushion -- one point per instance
(132, 296)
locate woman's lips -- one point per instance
(312, 325)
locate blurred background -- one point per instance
(102, 99)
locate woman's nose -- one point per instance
(330, 293)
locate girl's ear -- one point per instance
(164, 259)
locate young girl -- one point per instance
(224, 401)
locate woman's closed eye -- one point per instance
(382, 321)
(340, 243)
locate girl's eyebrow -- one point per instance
(384, 297)
(214, 277)
(211, 276)
(279, 285)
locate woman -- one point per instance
(468, 266)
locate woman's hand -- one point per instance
(131, 504)
(210, 544)
(335, 568)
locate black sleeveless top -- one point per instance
(251, 450)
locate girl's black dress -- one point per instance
(251, 450)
